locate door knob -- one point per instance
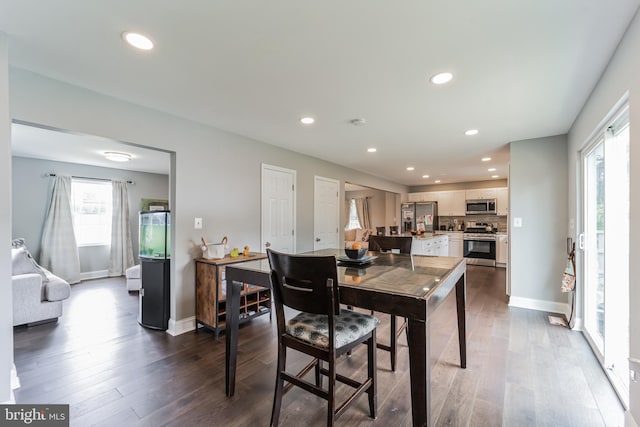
(317, 239)
(267, 245)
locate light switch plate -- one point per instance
(198, 223)
(517, 222)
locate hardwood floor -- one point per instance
(521, 371)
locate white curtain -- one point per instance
(362, 209)
(121, 256)
(59, 252)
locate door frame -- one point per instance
(264, 168)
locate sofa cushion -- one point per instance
(23, 263)
(56, 289)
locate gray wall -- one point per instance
(216, 173)
(620, 77)
(32, 193)
(538, 195)
(6, 310)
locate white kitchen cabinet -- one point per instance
(502, 201)
(455, 244)
(481, 194)
(451, 203)
(502, 250)
(431, 246)
(415, 197)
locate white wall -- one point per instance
(620, 77)
(6, 310)
(217, 174)
(538, 194)
(32, 193)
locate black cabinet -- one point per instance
(154, 294)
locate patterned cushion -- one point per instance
(314, 328)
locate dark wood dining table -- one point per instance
(410, 286)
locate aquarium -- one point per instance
(155, 231)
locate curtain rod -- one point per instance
(88, 177)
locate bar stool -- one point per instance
(381, 231)
(393, 230)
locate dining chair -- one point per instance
(381, 231)
(309, 284)
(403, 246)
(393, 230)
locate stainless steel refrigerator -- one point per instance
(419, 216)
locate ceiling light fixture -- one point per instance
(491, 169)
(441, 78)
(410, 168)
(115, 156)
(372, 150)
(471, 132)
(486, 159)
(495, 176)
(437, 181)
(307, 120)
(425, 176)
(138, 40)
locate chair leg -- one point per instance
(277, 395)
(318, 374)
(331, 401)
(372, 373)
(394, 342)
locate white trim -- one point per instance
(99, 274)
(179, 327)
(12, 399)
(540, 305)
(629, 421)
(15, 380)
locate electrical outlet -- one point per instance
(198, 223)
(517, 222)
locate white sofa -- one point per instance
(360, 235)
(37, 293)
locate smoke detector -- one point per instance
(358, 122)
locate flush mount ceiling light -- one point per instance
(437, 181)
(372, 150)
(441, 78)
(486, 159)
(410, 168)
(471, 132)
(137, 40)
(114, 156)
(425, 176)
(495, 176)
(307, 120)
(491, 169)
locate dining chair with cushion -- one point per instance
(381, 231)
(393, 230)
(309, 285)
(401, 245)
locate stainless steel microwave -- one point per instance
(481, 207)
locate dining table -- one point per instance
(410, 286)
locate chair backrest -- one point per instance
(393, 230)
(387, 243)
(381, 231)
(301, 282)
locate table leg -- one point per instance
(462, 335)
(419, 372)
(231, 334)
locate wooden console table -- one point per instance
(211, 298)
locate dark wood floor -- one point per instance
(521, 370)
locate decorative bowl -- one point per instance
(355, 253)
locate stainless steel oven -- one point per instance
(480, 249)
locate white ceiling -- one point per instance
(523, 69)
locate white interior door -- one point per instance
(326, 213)
(278, 209)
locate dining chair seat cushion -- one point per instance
(314, 328)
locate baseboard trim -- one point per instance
(99, 274)
(15, 380)
(178, 327)
(629, 421)
(540, 305)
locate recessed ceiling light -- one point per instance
(372, 150)
(486, 159)
(441, 78)
(491, 169)
(495, 176)
(138, 40)
(425, 176)
(410, 168)
(307, 120)
(117, 157)
(471, 132)
(437, 181)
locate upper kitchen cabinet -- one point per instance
(422, 197)
(481, 194)
(502, 201)
(451, 203)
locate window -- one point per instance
(91, 207)
(353, 216)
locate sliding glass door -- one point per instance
(605, 186)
